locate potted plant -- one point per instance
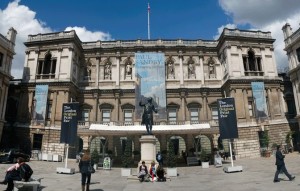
(95, 157)
(204, 159)
(172, 160)
(265, 144)
(288, 140)
(136, 155)
(126, 159)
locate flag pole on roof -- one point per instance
(148, 21)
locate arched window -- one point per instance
(46, 68)
(252, 64)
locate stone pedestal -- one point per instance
(148, 149)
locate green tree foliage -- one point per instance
(127, 155)
(172, 159)
(95, 157)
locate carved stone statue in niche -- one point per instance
(211, 69)
(107, 72)
(128, 69)
(171, 69)
(191, 69)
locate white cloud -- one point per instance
(220, 29)
(267, 15)
(25, 21)
(86, 35)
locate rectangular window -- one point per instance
(214, 113)
(37, 141)
(1, 59)
(49, 110)
(250, 108)
(85, 115)
(298, 54)
(194, 112)
(106, 116)
(172, 116)
(128, 115)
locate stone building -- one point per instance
(7, 52)
(292, 47)
(100, 76)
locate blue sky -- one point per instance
(127, 20)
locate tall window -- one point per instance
(49, 110)
(46, 68)
(214, 113)
(194, 113)
(252, 64)
(85, 115)
(1, 59)
(128, 115)
(250, 108)
(298, 54)
(172, 116)
(106, 116)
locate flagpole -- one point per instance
(148, 21)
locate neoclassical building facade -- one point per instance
(7, 52)
(101, 76)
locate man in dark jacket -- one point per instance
(281, 165)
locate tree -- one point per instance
(127, 155)
(172, 160)
(95, 157)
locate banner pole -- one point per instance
(230, 150)
(67, 153)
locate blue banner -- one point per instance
(41, 95)
(150, 82)
(69, 120)
(227, 118)
(259, 98)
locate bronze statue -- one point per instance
(147, 118)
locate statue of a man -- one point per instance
(147, 117)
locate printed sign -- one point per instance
(259, 98)
(69, 119)
(150, 82)
(227, 118)
(40, 104)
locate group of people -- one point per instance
(155, 172)
(17, 172)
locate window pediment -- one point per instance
(106, 106)
(127, 106)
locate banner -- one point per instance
(39, 112)
(69, 119)
(150, 82)
(227, 118)
(259, 98)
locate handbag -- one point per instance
(91, 169)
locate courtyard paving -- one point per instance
(257, 174)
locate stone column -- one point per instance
(95, 108)
(246, 109)
(201, 69)
(271, 111)
(180, 68)
(57, 69)
(98, 58)
(54, 106)
(118, 57)
(183, 106)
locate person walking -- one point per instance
(281, 165)
(159, 158)
(85, 168)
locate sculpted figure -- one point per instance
(147, 117)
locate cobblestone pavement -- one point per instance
(257, 175)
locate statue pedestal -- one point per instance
(148, 149)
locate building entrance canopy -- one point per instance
(139, 129)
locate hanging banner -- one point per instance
(150, 82)
(40, 104)
(259, 98)
(69, 119)
(227, 118)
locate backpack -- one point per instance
(159, 157)
(25, 172)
